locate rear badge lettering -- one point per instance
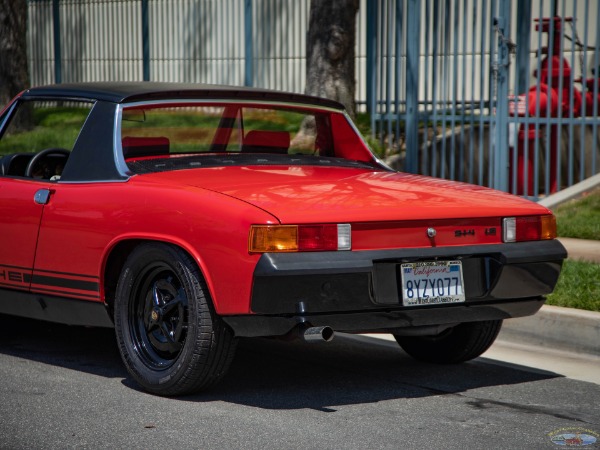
(490, 231)
(463, 233)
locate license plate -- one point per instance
(432, 283)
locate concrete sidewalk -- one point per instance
(581, 249)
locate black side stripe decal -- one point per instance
(65, 283)
(66, 294)
(78, 275)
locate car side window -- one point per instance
(42, 132)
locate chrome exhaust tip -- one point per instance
(317, 334)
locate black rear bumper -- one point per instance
(359, 291)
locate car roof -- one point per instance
(125, 92)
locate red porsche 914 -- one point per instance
(186, 216)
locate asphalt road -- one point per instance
(65, 387)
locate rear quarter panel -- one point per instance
(84, 222)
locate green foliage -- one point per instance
(363, 123)
(578, 286)
(38, 139)
(580, 218)
(168, 119)
(59, 117)
(263, 120)
(280, 121)
(375, 145)
(52, 127)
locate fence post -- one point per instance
(249, 45)
(502, 25)
(371, 44)
(411, 130)
(56, 36)
(523, 45)
(145, 41)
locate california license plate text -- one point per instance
(432, 282)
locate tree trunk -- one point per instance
(330, 51)
(14, 75)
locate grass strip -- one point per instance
(578, 286)
(580, 218)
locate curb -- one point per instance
(556, 328)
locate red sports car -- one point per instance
(188, 215)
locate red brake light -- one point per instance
(529, 228)
(317, 237)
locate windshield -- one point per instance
(163, 137)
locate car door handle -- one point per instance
(42, 196)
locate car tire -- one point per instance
(170, 339)
(461, 343)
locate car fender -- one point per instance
(210, 227)
(156, 237)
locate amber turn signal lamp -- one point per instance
(548, 225)
(273, 238)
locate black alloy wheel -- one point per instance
(158, 316)
(170, 339)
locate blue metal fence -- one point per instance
(554, 119)
(440, 69)
(454, 94)
(448, 92)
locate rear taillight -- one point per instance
(529, 228)
(299, 238)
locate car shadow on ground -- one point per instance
(90, 350)
(272, 374)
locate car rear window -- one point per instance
(236, 133)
